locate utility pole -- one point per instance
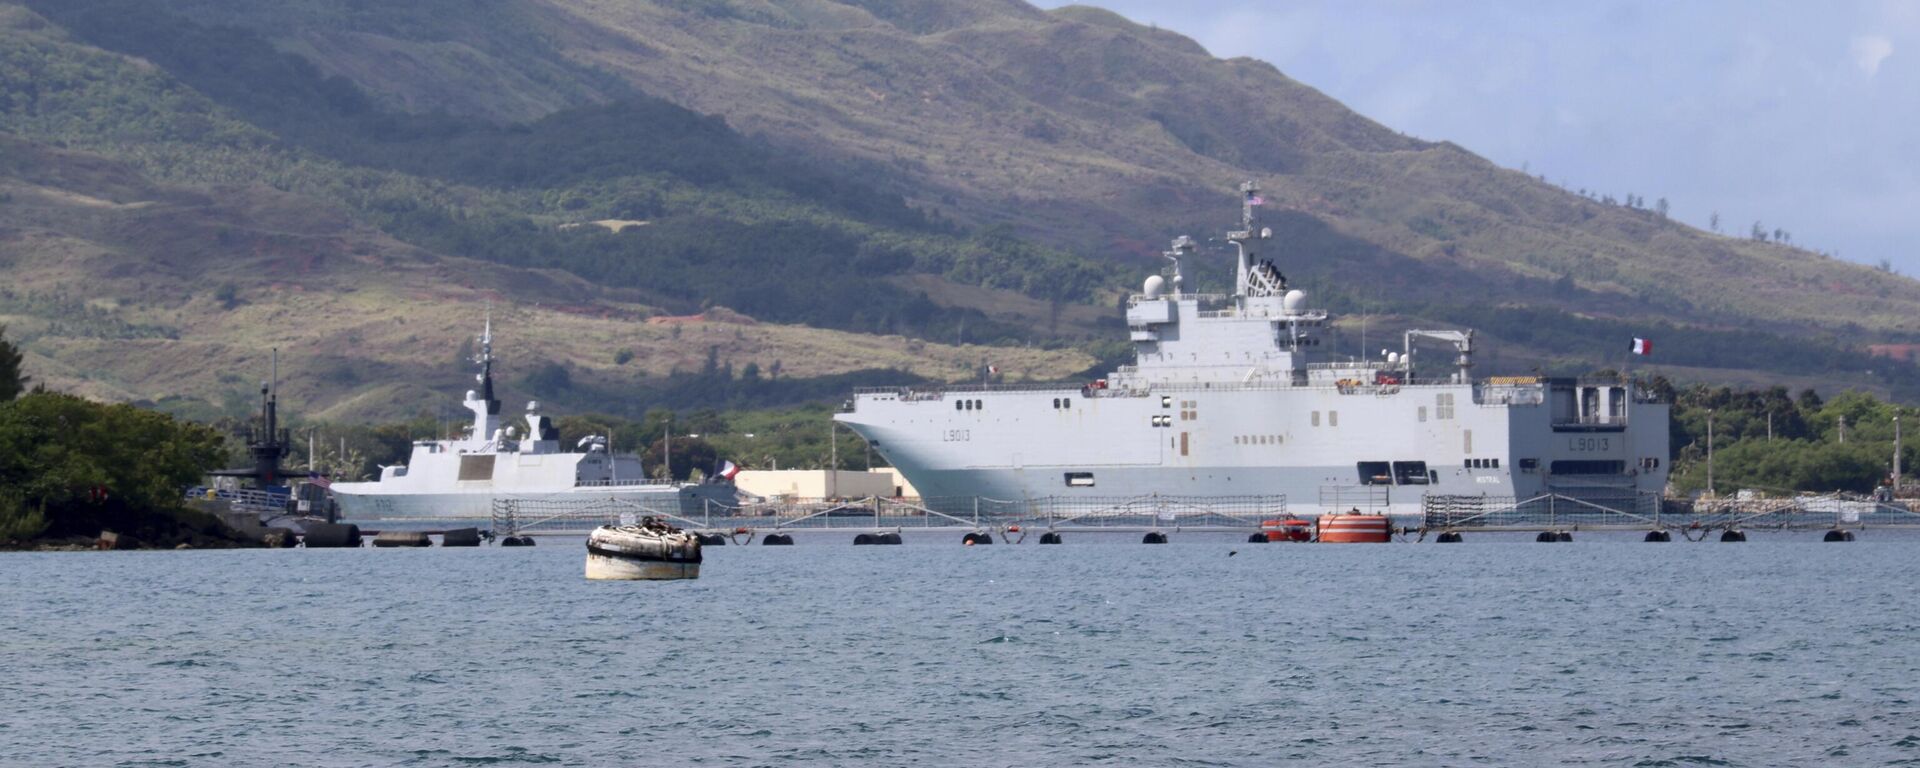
(833, 471)
(1896, 452)
(1710, 452)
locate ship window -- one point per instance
(1056, 403)
(1079, 479)
(1466, 438)
(1529, 465)
(1375, 473)
(1166, 401)
(1423, 413)
(1588, 467)
(1496, 463)
(1410, 472)
(1316, 418)
(959, 404)
(1333, 418)
(979, 404)
(1066, 403)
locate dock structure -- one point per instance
(1444, 518)
(1056, 515)
(1694, 518)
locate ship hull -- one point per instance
(1322, 448)
(376, 504)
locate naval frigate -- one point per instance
(461, 478)
(1225, 398)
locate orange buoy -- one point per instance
(1355, 529)
(1290, 529)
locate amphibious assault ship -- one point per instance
(461, 478)
(1225, 398)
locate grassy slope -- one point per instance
(1100, 134)
(369, 327)
(1076, 126)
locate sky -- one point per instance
(1803, 116)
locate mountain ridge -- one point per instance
(937, 161)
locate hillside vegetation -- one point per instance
(1085, 131)
(830, 193)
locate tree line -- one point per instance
(71, 467)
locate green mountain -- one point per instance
(864, 190)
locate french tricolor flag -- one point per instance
(728, 469)
(1642, 346)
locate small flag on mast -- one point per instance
(1642, 346)
(728, 469)
(993, 370)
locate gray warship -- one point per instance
(1225, 398)
(462, 477)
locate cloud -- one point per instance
(1868, 51)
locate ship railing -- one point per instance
(1203, 299)
(1593, 421)
(641, 483)
(246, 500)
(1502, 395)
(937, 391)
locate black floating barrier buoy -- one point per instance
(890, 538)
(1658, 536)
(1050, 538)
(1547, 537)
(388, 539)
(984, 538)
(776, 539)
(1449, 537)
(1154, 537)
(1257, 538)
(1838, 535)
(1566, 535)
(710, 539)
(329, 535)
(1733, 535)
(460, 537)
(863, 540)
(517, 541)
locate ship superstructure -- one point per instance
(461, 477)
(1225, 398)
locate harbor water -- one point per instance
(1204, 652)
